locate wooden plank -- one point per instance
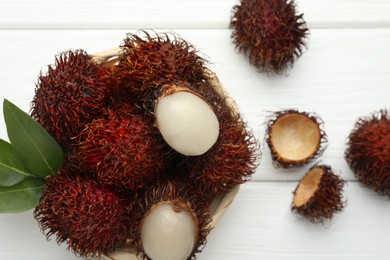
(44, 14)
(343, 74)
(258, 225)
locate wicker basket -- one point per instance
(220, 204)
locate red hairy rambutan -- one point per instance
(92, 219)
(71, 94)
(175, 220)
(231, 161)
(269, 32)
(151, 61)
(368, 151)
(124, 149)
(318, 195)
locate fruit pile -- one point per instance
(149, 142)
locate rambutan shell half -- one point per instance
(295, 138)
(318, 195)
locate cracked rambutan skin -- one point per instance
(295, 138)
(89, 217)
(319, 195)
(123, 149)
(72, 92)
(182, 198)
(151, 61)
(368, 151)
(269, 32)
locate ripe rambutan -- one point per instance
(295, 138)
(174, 222)
(92, 219)
(151, 61)
(368, 151)
(318, 195)
(124, 149)
(235, 155)
(269, 32)
(71, 94)
(230, 162)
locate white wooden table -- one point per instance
(344, 74)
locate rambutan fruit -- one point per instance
(368, 151)
(70, 95)
(231, 161)
(157, 70)
(91, 218)
(269, 32)
(124, 149)
(151, 61)
(174, 222)
(318, 195)
(295, 138)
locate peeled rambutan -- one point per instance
(368, 151)
(91, 218)
(124, 149)
(231, 161)
(174, 221)
(318, 195)
(295, 138)
(269, 32)
(70, 95)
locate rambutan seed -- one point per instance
(91, 218)
(318, 195)
(295, 138)
(368, 151)
(186, 121)
(71, 94)
(175, 220)
(269, 32)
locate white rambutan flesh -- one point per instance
(169, 232)
(187, 123)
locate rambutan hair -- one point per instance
(150, 61)
(368, 151)
(269, 32)
(71, 94)
(179, 194)
(124, 149)
(327, 198)
(89, 217)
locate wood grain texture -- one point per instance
(43, 14)
(343, 74)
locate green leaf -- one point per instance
(22, 196)
(40, 153)
(11, 169)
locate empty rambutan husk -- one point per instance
(318, 195)
(368, 151)
(90, 218)
(269, 32)
(295, 138)
(220, 202)
(73, 92)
